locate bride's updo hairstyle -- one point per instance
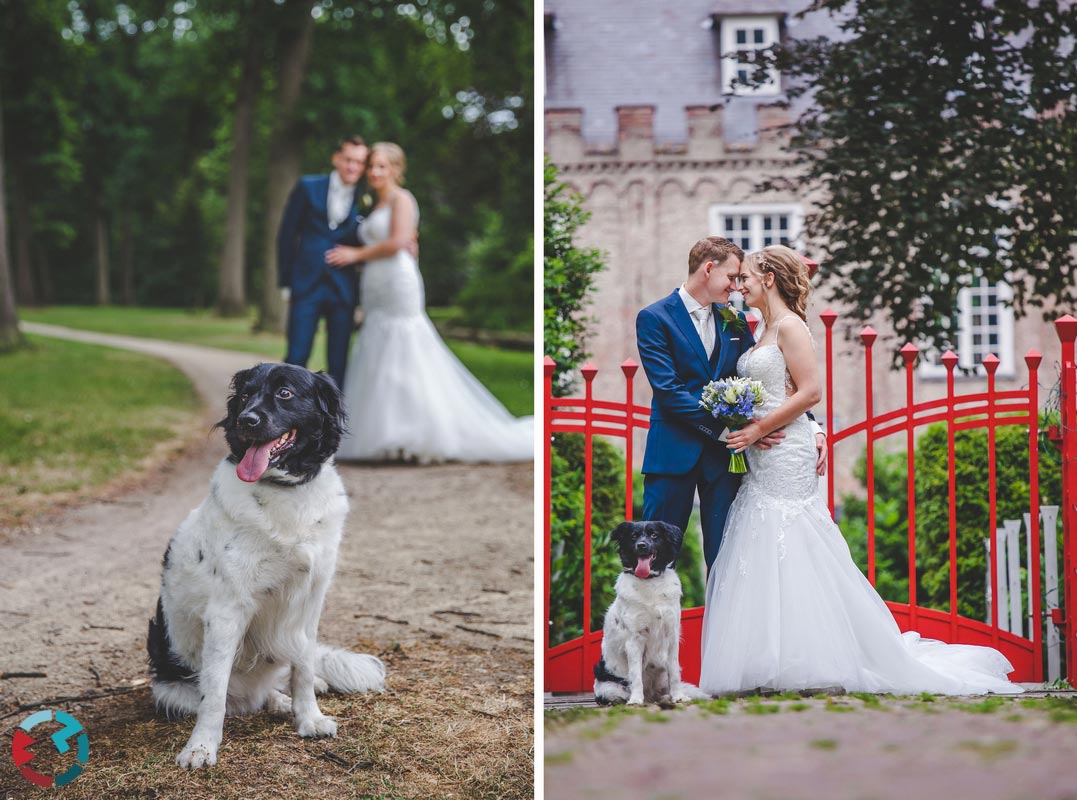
(790, 275)
(394, 154)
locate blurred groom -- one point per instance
(321, 213)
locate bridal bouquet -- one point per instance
(732, 401)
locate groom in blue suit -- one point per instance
(683, 345)
(321, 213)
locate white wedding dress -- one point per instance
(407, 396)
(788, 609)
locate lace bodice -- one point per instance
(376, 226)
(785, 472)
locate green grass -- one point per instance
(75, 416)
(824, 744)
(508, 374)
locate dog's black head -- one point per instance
(648, 548)
(283, 417)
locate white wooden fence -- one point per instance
(1010, 617)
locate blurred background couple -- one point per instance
(408, 397)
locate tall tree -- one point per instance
(285, 148)
(9, 319)
(231, 291)
(942, 138)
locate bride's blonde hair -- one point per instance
(790, 275)
(394, 154)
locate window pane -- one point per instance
(976, 299)
(783, 222)
(744, 223)
(993, 339)
(977, 340)
(768, 222)
(729, 225)
(759, 33)
(742, 36)
(742, 75)
(992, 320)
(768, 240)
(977, 320)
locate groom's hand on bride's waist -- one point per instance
(770, 440)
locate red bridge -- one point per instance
(568, 665)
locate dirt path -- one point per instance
(936, 749)
(430, 554)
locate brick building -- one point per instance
(639, 122)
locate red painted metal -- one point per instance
(1032, 360)
(569, 664)
(589, 371)
(909, 353)
(990, 363)
(949, 360)
(628, 368)
(548, 367)
(867, 338)
(1066, 328)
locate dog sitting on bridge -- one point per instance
(246, 574)
(641, 635)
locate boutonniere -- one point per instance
(731, 317)
(366, 202)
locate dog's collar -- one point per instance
(654, 573)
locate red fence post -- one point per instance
(828, 318)
(589, 371)
(1066, 327)
(990, 363)
(1033, 359)
(629, 368)
(867, 338)
(909, 353)
(949, 360)
(548, 367)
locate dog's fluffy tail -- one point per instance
(348, 672)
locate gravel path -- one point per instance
(442, 552)
(899, 748)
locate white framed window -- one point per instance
(753, 226)
(741, 34)
(984, 327)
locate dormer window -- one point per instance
(741, 35)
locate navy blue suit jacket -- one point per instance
(677, 368)
(305, 236)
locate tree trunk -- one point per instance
(127, 262)
(9, 318)
(231, 288)
(101, 240)
(285, 155)
(22, 235)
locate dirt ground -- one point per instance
(435, 573)
(929, 748)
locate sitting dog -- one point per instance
(641, 635)
(245, 575)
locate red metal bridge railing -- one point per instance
(568, 665)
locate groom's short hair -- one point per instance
(354, 139)
(712, 248)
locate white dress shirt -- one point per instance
(340, 201)
(692, 307)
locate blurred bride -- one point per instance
(408, 397)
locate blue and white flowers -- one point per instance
(732, 401)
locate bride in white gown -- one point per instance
(407, 396)
(787, 608)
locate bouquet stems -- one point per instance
(737, 463)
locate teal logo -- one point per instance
(61, 739)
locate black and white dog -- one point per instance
(641, 636)
(245, 575)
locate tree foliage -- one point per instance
(932, 513)
(568, 276)
(943, 138)
(120, 118)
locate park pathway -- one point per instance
(442, 552)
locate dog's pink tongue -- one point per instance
(255, 462)
(643, 568)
